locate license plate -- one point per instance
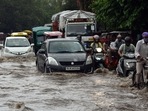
(72, 68)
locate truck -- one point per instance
(73, 23)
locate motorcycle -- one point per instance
(98, 58)
(144, 72)
(111, 59)
(129, 64)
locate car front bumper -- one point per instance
(71, 68)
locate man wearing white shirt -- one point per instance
(141, 52)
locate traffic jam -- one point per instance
(68, 66)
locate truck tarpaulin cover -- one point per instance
(61, 17)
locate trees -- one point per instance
(111, 14)
(18, 15)
(122, 14)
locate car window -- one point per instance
(65, 47)
(17, 42)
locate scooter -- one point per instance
(98, 58)
(129, 63)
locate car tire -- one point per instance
(89, 71)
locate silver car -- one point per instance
(17, 46)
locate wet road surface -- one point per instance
(23, 88)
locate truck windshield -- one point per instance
(77, 29)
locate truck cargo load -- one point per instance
(75, 22)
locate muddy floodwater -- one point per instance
(23, 88)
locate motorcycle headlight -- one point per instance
(130, 64)
(88, 60)
(99, 49)
(52, 61)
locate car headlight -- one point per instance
(52, 61)
(88, 60)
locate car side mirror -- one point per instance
(32, 44)
(41, 51)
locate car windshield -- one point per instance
(65, 47)
(76, 29)
(17, 42)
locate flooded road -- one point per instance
(23, 88)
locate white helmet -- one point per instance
(119, 36)
(96, 37)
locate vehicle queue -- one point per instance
(75, 56)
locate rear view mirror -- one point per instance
(32, 44)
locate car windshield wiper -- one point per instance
(64, 52)
(78, 51)
(72, 34)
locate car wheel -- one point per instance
(89, 71)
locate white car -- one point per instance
(17, 46)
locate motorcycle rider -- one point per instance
(125, 48)
(113, 51)
(141, 52)
(119, 41)
(95, 44)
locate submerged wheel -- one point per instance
(47, 70)
(89, 71)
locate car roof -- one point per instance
(61, 39)
(12, 37)
(41, 28)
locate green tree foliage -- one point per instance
(84, 4)
(122, 14)
(70, 5)
(16, 15)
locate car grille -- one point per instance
(72, 63)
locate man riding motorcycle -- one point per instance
(96, 44)
(125, 48)
(112, 57)
(141, 52)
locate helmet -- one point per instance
(119, 36)
(145, 34)
(127, 40)
(96, 37)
